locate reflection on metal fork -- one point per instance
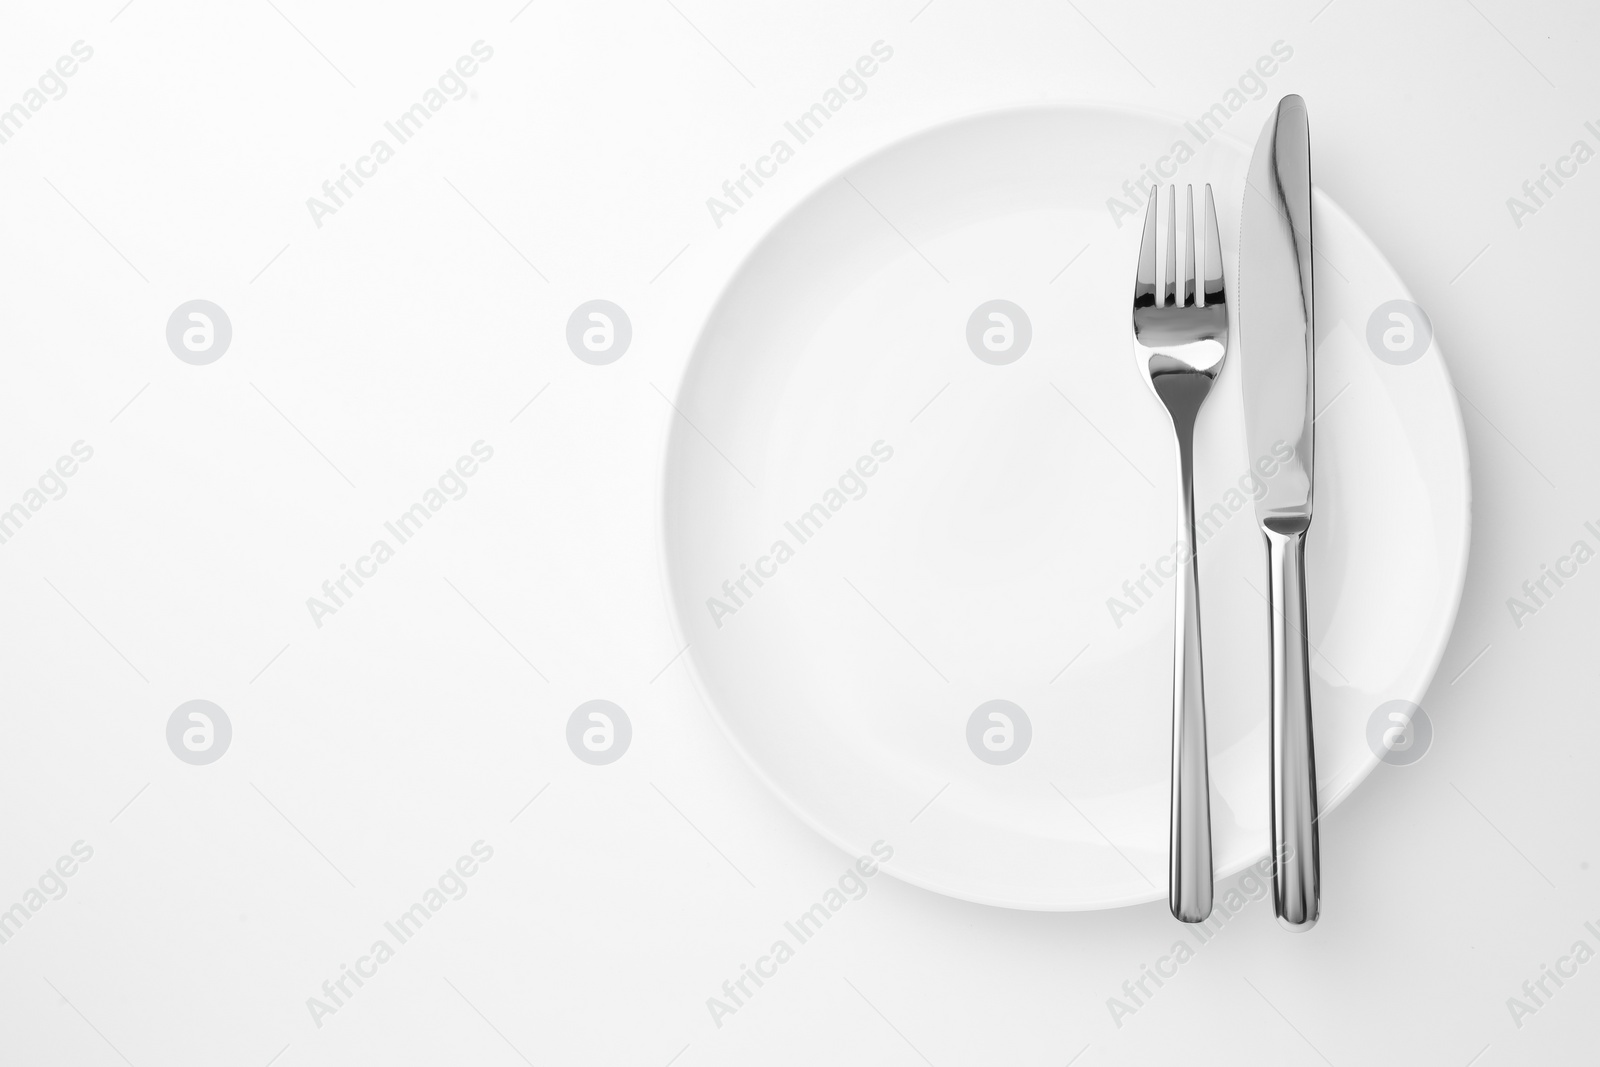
(1180, 344)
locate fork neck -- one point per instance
(1182, 392)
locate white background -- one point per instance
(368, 354)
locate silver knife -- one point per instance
(1276, 319)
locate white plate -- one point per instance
(976, 562)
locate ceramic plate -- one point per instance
(918, 508)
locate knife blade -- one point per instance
(1277, 315)
(1277, 307)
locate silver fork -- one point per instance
(1180, 345)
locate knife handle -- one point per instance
(1296, 884)
(1189, 884)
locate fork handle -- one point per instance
(1296, 883)
(1189, 889)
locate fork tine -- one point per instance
(1144, 285)
(1188, 247)
(1169, 280)
(1215, 291)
